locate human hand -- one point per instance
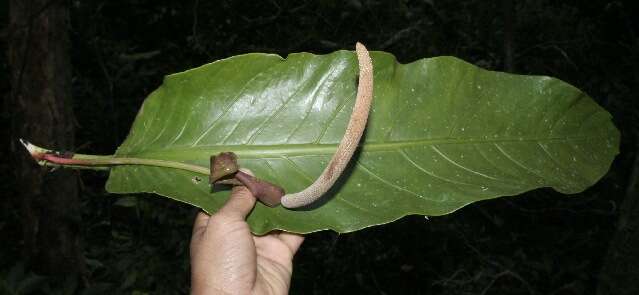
(227, 259)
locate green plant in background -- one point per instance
(442, 133)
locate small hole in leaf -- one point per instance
(196, 179)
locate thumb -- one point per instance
(239, 204)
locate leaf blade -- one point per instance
(442, 134)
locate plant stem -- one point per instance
(45, 157)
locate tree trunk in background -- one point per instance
(620, 269)
(508, 15)
(41, 111)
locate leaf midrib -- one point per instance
(265, 151)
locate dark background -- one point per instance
(540, 242)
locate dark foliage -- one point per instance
(537, 243)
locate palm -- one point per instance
(274, 262)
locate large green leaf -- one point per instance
(442, 134)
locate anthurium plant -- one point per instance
(440, 134)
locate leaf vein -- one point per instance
(527, 169)
(424, 170)
(228, 107)
(384, 181)
(460, 165)
(332, 119)
(310, 106)
(258, 131)
(298, 169)
(491, 163)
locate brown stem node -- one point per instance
(224, 164)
